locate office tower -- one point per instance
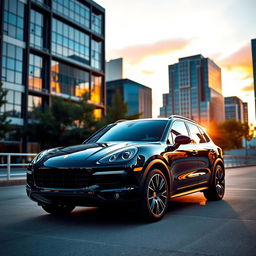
(137, 96)
(235, 109)
(195, 90)
(51, 47)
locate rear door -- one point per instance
(202, 153)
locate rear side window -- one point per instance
(195, 134)
(178, 128)
(206, 138)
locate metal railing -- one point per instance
(236, 161)
(6, 167)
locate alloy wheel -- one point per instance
(220, 181)
(157, 195)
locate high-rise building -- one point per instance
(51, 47)
(195, 90)
(254, 68)
(137, 96)
(236, 109)
(114, 69)
(245, 112)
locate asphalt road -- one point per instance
(191, 226)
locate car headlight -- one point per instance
(119, 156)
(39, 156)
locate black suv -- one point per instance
(142, 163)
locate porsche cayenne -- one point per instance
(141, 163)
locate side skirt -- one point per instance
(189, 192)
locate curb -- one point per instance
(240, 166)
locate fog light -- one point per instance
(116, 196)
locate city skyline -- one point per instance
(150, 35)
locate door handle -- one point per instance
(194, 152)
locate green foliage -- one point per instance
(64, 123)
(5, 126)
(68, 123)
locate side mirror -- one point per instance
(182, 139)
(179, 140)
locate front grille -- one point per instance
(62, 178)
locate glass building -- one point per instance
(254, 68)
(137, 96)
(236, 109)
(51, 47)
(195, 90)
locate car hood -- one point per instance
(80, 155)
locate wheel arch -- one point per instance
(161, 165)
(220, 162)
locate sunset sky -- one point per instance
(151, 34)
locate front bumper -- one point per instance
(82, 187)
(91, 196)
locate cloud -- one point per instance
(148, 72)
(136, 53)
(248, 88)
(241, 58)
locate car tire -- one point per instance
(154, 199)
(217, 188)
(58, 209)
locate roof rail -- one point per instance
(120, 121)
(181, 117)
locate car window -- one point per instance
(144, 130)
(195, 134)
(178, 128)
(206, 137)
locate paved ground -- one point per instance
(191, 227)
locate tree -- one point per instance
(229, 134)
(5, 126)
(119, 110)
(64, 123)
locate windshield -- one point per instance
(145, 130)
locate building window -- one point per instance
(12, 63)
(69, 42)
(97, 113)
(97, 23)
(184, 74)
(36, 29)
(73, 10)
(35, 79)
(13, 105)
(14, 19)
(41, 2)
(96, 55)
(34, 102)
(68, 80)
(96, 89)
